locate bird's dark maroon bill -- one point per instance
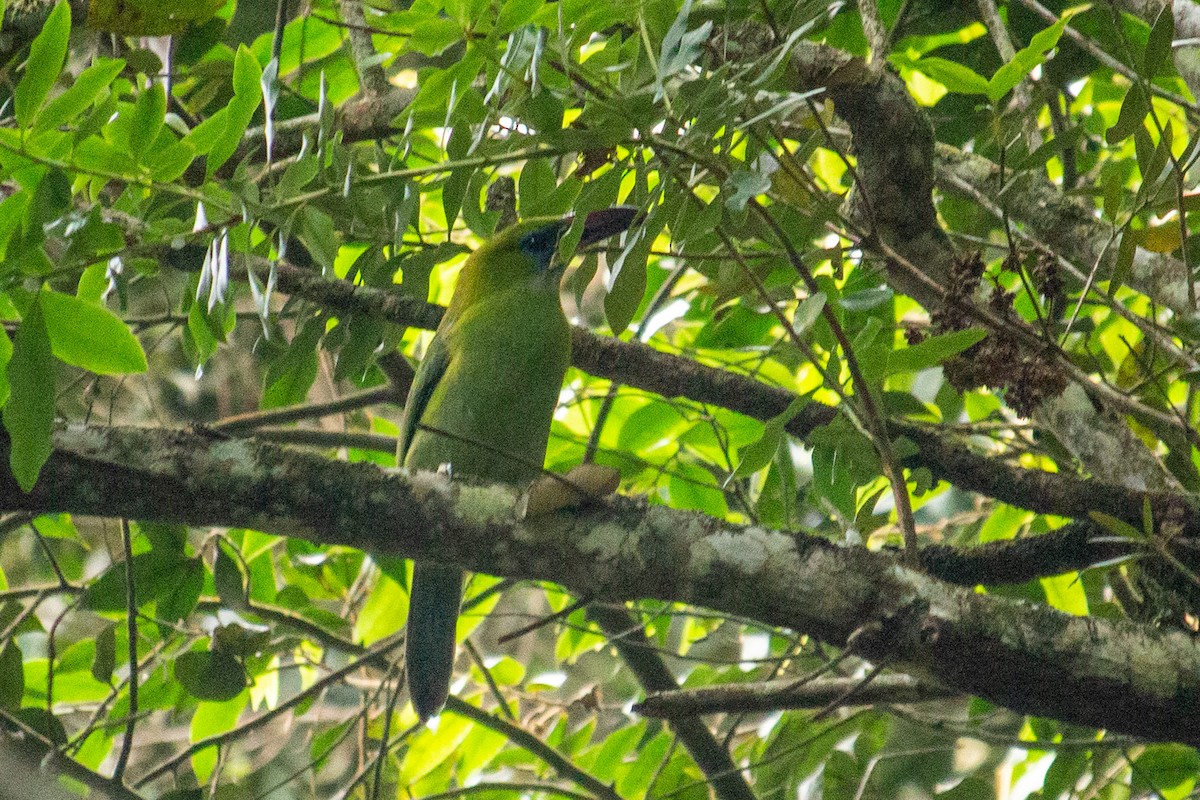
(607, 222)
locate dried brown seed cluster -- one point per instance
(999, 361)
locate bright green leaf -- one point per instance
(759, 453)
(1025, 60)
(90, 336)
(46, 57)
(932, 351)
(83, 91)
(954, 76)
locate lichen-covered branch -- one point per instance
(1113, 674)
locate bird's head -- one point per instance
(526, 251)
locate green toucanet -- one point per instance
(482, 402)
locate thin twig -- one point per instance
(131, 623)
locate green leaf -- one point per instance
(627, 283)
(247, 94)
(515, 13)
(1165, 770)
(211, 719)
(1066, 140)
(454, 190)
(384, 611)
(465, 12)
(743, 186)
(29, 413)
(290, 376)
(6, 351)
(954, 76)
(1025, 60)
(149, 112)
(433, 35)
(759, 453)
(167, 164)
(210, 675)
(431, 748)
(44, 723)
(46, 57)
(1065, 592)
(90, 336)
(1158, 47)
(82, 92)
(106, 654)
(155, 574)
(680, 47)
(228, 579)
(1134, 108)
(180, 599)
(12, 676)
(932, 351)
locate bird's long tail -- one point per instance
(429, 638)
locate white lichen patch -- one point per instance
(425, 484)
(749, 552)
(236, 456)
(1151, 673)
(481, 505)
(605, 542)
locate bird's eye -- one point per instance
(540, 244)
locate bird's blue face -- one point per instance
(540, 244)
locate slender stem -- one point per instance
(523, 738)
(280, 416)
(131, 624)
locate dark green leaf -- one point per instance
(29, 413)
(44, 723)
(290, 376)
(1133, 110)
(178, 601)
(1158, 47)
(228, 579)
(627, 283)
(12, 676)
(210, 675)
(106, 654)
(155, 574)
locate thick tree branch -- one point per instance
(1113, 674)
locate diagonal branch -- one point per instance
(714, 761)
(643, 367)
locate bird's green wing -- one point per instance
(429, 374)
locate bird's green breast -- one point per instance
(508, 354)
